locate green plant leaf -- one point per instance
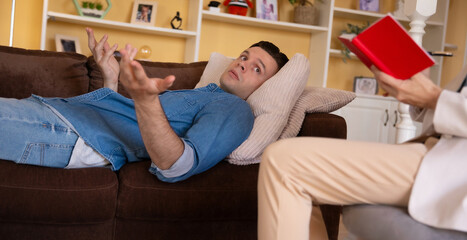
(351, 28)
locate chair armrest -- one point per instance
(323, 125)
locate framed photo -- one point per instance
(365, 85)
(266, 9)
(67, 43)
(144, 12)
(369, 5)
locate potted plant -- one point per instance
(305, 12)
(351, 28)
(89, 9)
(92, 8)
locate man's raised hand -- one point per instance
(135, 80)
(103, 54)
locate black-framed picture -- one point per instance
(144, 12)
(365, 85)
(67, 43)
(369, 5)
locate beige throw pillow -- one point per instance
(216, 66)
(314, 100)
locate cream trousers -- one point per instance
(299, 172)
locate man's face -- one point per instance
(246, 73)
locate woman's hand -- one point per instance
(417, 91)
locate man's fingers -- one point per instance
(99, 48)
(125, 57)
(109, 52)
(91, 40)
(167, 82)
(133, 53)
(124, 62)
(138, 71)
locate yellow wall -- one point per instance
(225, 38)
(456, 34)
(28, 17)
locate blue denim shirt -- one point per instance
(212, 122)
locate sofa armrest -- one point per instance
(323, 125)
(331, 126)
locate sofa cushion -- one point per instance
(43, 195)
(44, 73)
(224, 193)
(187, 75)
(315, 100)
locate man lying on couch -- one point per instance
(183, 132)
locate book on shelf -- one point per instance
(388, 46)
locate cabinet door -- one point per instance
(395, 119)
(368, 119)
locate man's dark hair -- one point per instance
(280, 58)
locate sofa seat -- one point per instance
(200, 205)
(40, 201)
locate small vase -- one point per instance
(305, 14)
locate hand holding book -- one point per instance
(417, 91)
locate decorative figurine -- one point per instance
(238, 7)
(214, 6)
(178, 19)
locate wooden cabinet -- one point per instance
(372, 118)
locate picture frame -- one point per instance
(267, 10)
(65, 43)
(369, 5)
(365, 85)
(144, 12)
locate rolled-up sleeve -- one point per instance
(180, 167)
(218, 129)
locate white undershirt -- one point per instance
(83, 156)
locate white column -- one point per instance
(12, 22)
(418, 12)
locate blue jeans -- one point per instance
(30, 133)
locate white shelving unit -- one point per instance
(191, 35)
(320, 36)
(255, 22)
(94, 22)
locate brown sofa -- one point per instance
(97, 203)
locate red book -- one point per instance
(388, 46)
